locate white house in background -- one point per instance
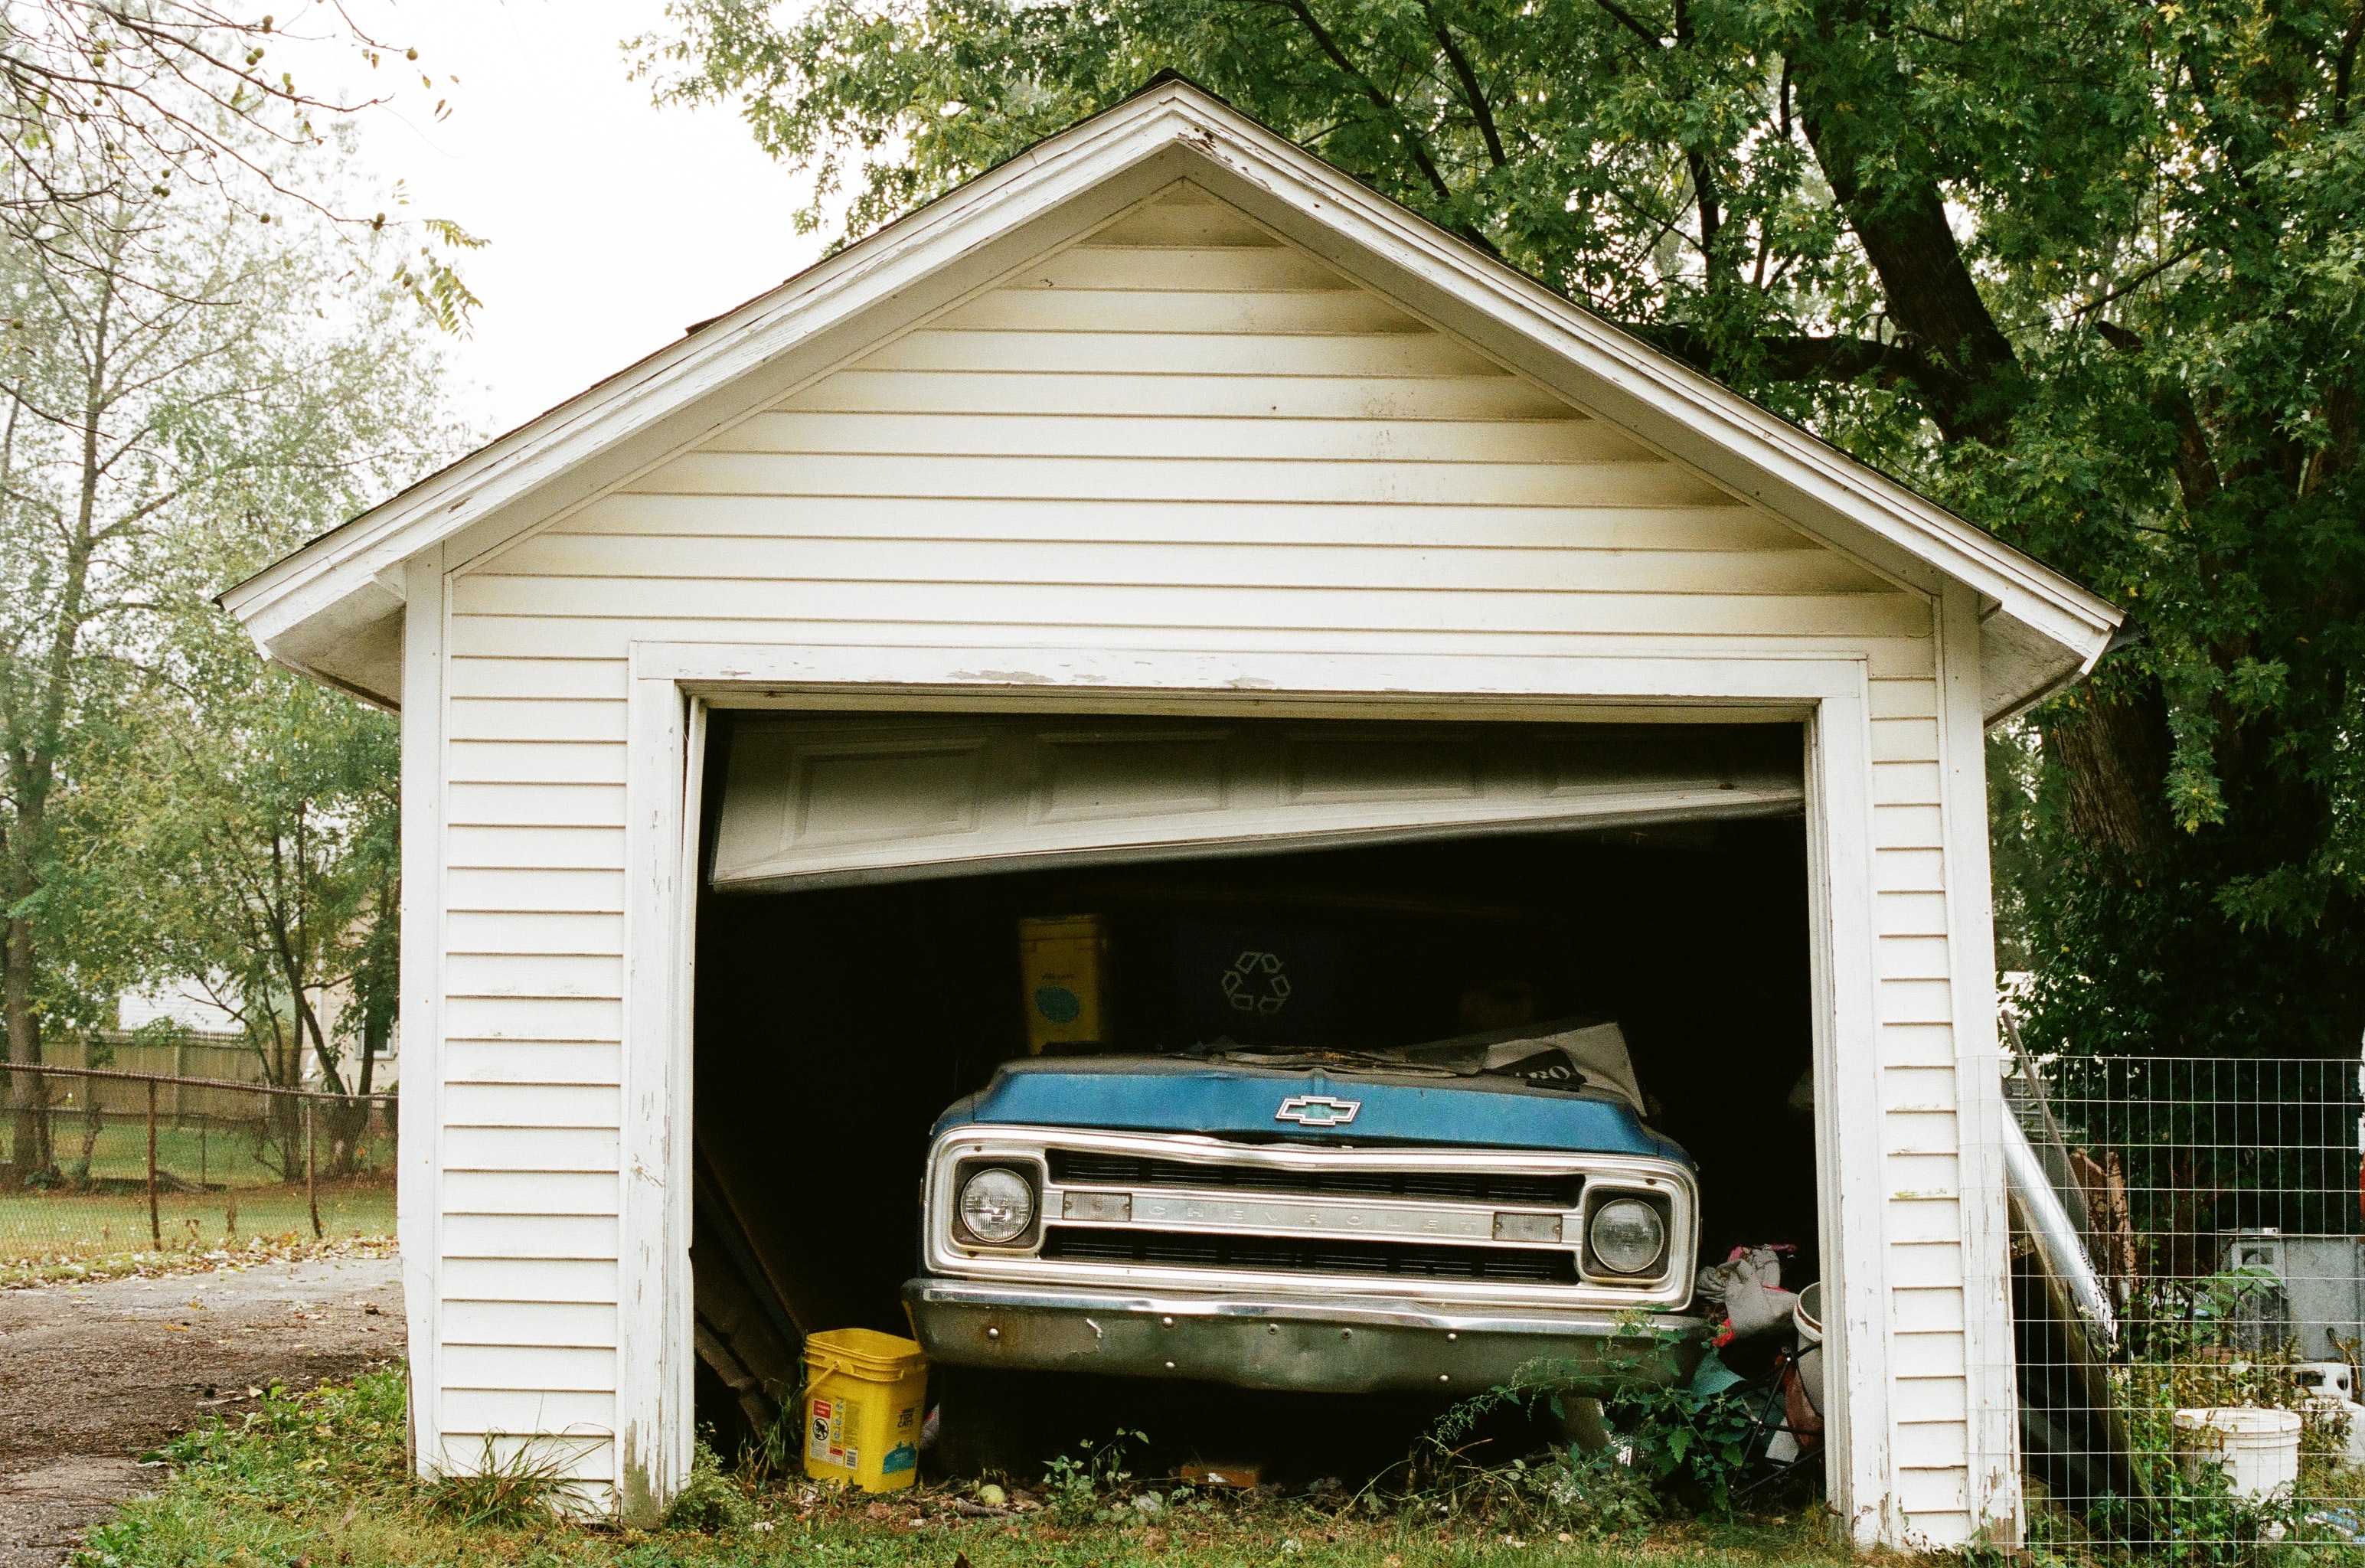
(180, 1002)
(187, 1005)
(1165, 415)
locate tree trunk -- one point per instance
(29, 1092)
(352, 1124)
(2114, 750)
(1898, 213)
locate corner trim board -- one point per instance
(418, 1195)
(1993, 1406)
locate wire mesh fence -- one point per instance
(2189, 1302)
(96, 1162)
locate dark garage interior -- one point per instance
(833, 1026)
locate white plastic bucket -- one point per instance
(1807, 1317)
(2257, 1449)
(1806, 1312)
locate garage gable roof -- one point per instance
(332, 609)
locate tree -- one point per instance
(266, 832)
(260, 811)
(184, 393)
(101, 101)
(2089, 272)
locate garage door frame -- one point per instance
(675, 685)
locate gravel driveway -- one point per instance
(90, 1376)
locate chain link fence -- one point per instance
(2189, 1302)
(96, 1162)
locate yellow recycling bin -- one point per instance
(864, 1394)
(1060, 958)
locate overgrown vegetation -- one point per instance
(322, 1477)
(2199, 1345)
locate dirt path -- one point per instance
(92, 1376)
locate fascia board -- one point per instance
(828, 313)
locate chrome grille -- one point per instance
(1415, 1260)
(1084, 1168)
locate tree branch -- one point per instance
(2197, 478)
(2344, 68)
(1898, 215)
(1627, 20)
(1471, 92)
(1806, 358)
(1412, 144)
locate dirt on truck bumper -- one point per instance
(1293, 1342)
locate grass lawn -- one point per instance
(48, 1226)
(322, 1479)
(203, 1154)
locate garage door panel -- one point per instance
(825, 801)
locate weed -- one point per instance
(1696, 1447)
(1076, 1487)
(1685, 1440)
(1593, 1496)
(709, 1500)
(524, 1484)
(776, 1451)
(1596, 1495)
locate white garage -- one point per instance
(1161, 499)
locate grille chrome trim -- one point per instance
(1170, 1210)
(1265, 1208)
(1327, 1259)
(1081, 1168)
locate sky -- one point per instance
(612, 224)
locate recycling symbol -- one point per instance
(1255, 984)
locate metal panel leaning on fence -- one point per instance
(93, 1157)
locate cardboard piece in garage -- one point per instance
(1255, 985)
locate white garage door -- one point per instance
(821, 801)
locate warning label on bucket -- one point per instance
(831, 1420)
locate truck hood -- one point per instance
(1139, 1093)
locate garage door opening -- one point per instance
(1449, 883)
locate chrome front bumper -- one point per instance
(1336, 1346)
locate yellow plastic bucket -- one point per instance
(864, 1394)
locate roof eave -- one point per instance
(1697, 420)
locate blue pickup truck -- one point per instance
(1435, 1218)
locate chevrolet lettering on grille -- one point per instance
(1318, 1110)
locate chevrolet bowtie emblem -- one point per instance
(1318, 1110)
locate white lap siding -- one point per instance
(1921, 1165)
(531, 1059)
(1180, 434)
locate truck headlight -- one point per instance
(997, 1205)
(1627, 1236)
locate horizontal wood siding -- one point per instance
(1180, 433)
(1920, 1147)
